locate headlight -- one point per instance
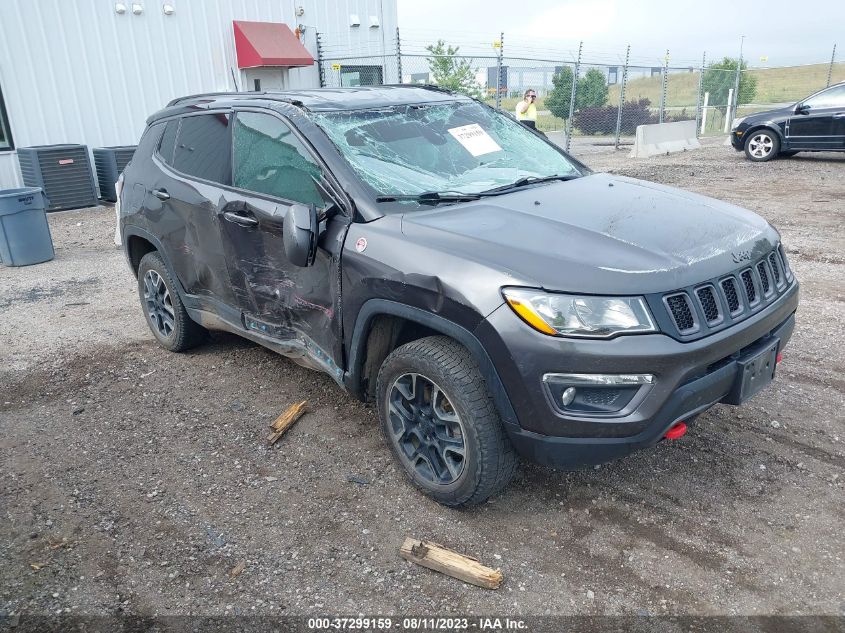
(580, 315)
(736, 123)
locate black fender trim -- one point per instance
(132, 230)
(765, 125)
(375, 307)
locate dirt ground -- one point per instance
(135, 480)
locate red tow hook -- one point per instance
(677, 431)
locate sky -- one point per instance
(777, 32)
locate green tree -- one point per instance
(451, 72)
(720, 78)
(591, 91)
(557, 100)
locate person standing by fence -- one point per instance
(526, 111)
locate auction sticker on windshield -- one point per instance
(474, 139)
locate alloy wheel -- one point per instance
(426, 428)
(760, 145)
(158, 303)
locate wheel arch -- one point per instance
(382, 325)
(771, 127)
(138, 243)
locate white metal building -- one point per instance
(92, 71)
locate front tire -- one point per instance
(762, 145)
(163, 308)
(441, 424)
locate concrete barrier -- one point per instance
(663, 138)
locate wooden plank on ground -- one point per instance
(285, 421)
(451, 563)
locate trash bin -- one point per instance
(24, 232)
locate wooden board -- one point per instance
(285, 421)
(451, 563)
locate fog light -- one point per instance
(568, 396)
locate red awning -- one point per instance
(268, 44)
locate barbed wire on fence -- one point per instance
(583, 90)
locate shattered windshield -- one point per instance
(459, 147)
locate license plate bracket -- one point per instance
(755, 370)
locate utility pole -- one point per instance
(830, 68)
(572, 97)
(622, 96)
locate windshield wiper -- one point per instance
(431, 197)
(528, 180)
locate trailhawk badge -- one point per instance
(361, 244)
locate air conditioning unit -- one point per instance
(109, 163)
(62, 171)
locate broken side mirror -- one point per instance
(299, 234)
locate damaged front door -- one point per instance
(294, 306)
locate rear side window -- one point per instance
(270, 159)
(168, 141)
(203, 148)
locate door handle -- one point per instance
(161, 194)
(241, 220)
(839, 115)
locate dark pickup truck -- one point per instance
(486, 290)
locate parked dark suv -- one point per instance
(814, 124)
(490, 294)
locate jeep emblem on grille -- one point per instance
(741, 256)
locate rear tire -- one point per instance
(163, 308)
(441, 424)
(762, 145)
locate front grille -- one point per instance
(786, 269)
(764, 278)
(773, 262)
(709, 303)
(731, 295)
(750, 290)
(681, 311)
(713, 305)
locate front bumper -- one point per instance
(690, 377)
(738, 140)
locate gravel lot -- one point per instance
(135, 480)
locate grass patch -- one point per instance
(774, 85)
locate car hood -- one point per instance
(596, 234)
(773, 116)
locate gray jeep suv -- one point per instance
(489, 293)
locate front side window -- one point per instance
(458, 147)
(833, 98)
(203, 147)
(271, 160)
(5, 131)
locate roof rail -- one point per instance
(432, 87)
(209, 94)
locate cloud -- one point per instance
(572, 21)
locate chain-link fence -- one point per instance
(580, 92)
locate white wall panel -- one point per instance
(10, 175)
(77, 72)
